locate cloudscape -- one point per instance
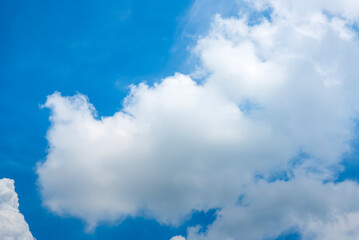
(256, 135)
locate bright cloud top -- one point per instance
(12, 223)
(279, 99)
(178, 238)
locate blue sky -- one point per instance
(99, 48)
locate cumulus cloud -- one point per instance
(159, 157)
(279, 99)
(12, 223)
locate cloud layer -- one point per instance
(256, 137)
(12, 223)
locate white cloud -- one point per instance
(322, 211)
(292, 72)
(159, 157)
(177, 238)
(300, 10)
(344, 227)
(274, 89)
(12, 223)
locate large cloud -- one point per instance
(12, 223)
(279, 97)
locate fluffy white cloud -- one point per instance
(273, 89)
(12, 223)
(171, 150)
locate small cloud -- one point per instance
(177, 238)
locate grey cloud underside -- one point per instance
(274, 90)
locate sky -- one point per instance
(197, 120)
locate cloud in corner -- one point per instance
(12, 223)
